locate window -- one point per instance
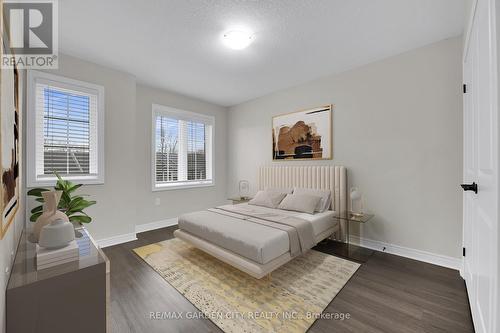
(65, 130)
(182, 149)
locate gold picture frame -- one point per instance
(303, 135)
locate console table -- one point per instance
(71, 297)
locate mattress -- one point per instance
(253, 241)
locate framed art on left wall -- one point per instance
(10, 135)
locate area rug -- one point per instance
(290, 301)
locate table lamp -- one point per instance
(356, 202)
(243, 189)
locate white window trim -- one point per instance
(32, 180)
(188, 115)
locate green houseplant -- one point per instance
(72, 205)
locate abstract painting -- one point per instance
(303, 134)
(10, 128)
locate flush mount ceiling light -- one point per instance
(237, 39)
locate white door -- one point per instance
(481, 166)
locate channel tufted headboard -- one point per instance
(333, 178)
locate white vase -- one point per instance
(57, 234)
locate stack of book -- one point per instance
(46, 258)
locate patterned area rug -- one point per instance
(236, 302)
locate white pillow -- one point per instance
(326, 197)
(300, 202)
(267, 199)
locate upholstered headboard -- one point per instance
(333, 178)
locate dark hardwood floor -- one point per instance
(387, 294)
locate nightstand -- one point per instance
(239, 200)
(347, 250)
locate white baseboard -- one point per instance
(431, 258)
(155, 225)
(115, 240)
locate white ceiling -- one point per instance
(175, 44)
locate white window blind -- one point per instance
(67, 137)
(182, 149)
(69, 131)
(167, 149)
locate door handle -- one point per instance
(470, 187)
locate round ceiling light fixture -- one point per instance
(237, 39)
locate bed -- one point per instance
(255, 239)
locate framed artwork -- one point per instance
(10, 134)
(303, 135)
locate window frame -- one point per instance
(33, 179)
(161, 110)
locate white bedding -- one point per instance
(320, 221)
(251, 240)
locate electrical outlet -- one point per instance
(157, 201)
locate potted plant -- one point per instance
(71, 204)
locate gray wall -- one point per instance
(397, 128)
(115, 212)
(126, 199)
(175, 202)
